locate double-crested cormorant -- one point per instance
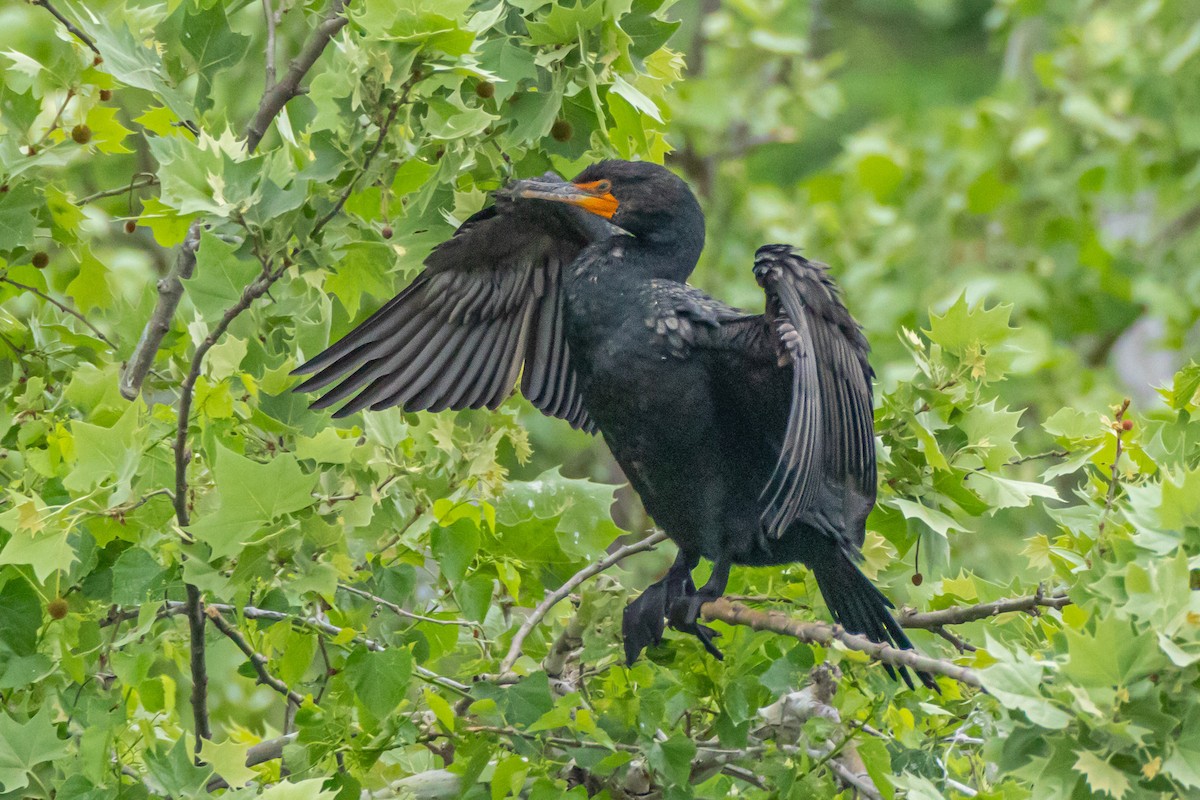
(749, 438)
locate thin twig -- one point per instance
(61, 306)
(136, 183)
(257, 659)
(1114, 478)
(57, 119)
(275, 98)
(174, 607)
(70, 26)
(958, 615)
(393, 110)
(823, 634)
(553, 598)
(170, 290)
(395, 609)
(269, 15)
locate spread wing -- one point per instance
(489, 301)
(829, 445)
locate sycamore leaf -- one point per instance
(962, 328)
(25, 745)
(229, 760)
(251, 495)
(1101, 775)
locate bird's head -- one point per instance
(644, 199)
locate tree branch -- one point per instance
(136, 183)
(275, 98)
(66, 309)
(931, 620)
(823, 634)
(393, 110)
(552, 599)
(402, 612)
(269, 16)
(170, 290)
(183, 456)
(173, 607)
(70, 26)
(199, 666)
(257, 660)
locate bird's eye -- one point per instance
(603, 186)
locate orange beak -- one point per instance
(595, 197)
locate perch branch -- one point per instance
(275, 98)
(931, 620)
(823, 634)
(170, 290)
(553, 598)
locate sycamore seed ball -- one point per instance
(57, 608)
(561, 130)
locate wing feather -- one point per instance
(489, 301)
(829, 444)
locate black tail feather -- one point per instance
(858, 606)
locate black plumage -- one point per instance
(749, 438)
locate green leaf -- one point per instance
(935, 520)
(1101, 775)
(454, 546)
(25, 745)
(380, 679)
(137, 577)
(219, 278)
(108, 457)
(175, 771)
(251, 495)
(673, 758)
(228, 759)
(212, 45)
(1015, 680)
(962, 328)
(20, 617)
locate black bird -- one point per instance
(749, 438)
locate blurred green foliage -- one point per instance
(1006, 192)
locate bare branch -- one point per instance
(183, 457)
(931, 620)
(199, 666)
(137, 183)
(823, 634)
(170, 290)
(66, 309)
(70, 26)
(257, 660)
(552, 599)
(275, 98)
